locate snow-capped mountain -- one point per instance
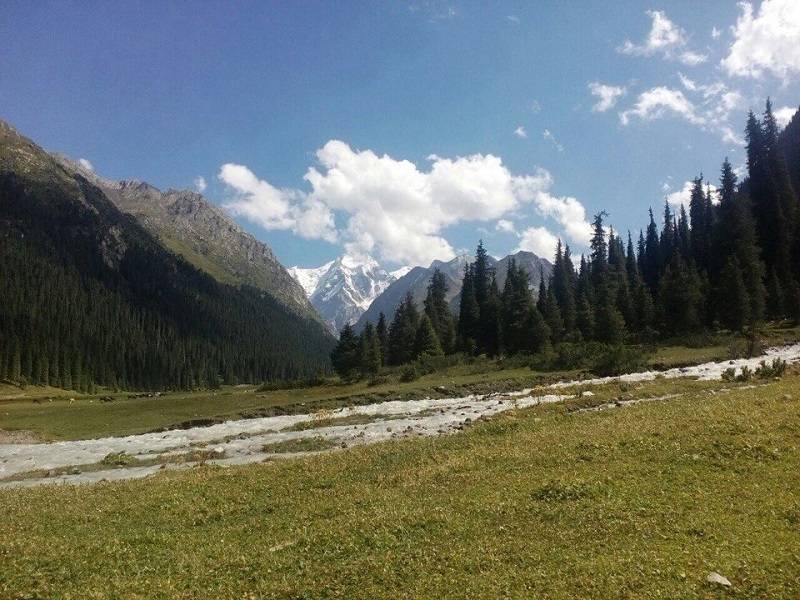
(342, 289)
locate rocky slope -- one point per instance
(200, 232)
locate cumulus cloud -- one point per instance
(520, 132)
(712, 110)
(395, 210)
(84, 162)
(200, 184)
(683, 195)
(505, 226)
(273, 208)
(766, 42)
(660, 101)
(715, 33)
(548, 135)
(539, 240)
(784, 114)
(607, 95)
(665, 38)
(535, 106)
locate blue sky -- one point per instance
(299, 115)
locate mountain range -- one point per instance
(355, 291)
(118, 284)
(417, 279)
(342, 289)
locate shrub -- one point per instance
(379, 380)
(746, 374)
(729, 374)
(617, 361)
(409, 373)
(745, 348)
(775, 369)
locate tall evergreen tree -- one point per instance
(382, 333)
(426, 343)
(403, 332)
(438, 311)
(469, 313)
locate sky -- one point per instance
(405, 131)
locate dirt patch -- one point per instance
(20, 436)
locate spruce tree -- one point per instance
(438, 311)
(734, 307)
(403, 332)
(369, 351)
(426, 343)
(345, 356)
(382, 333)
(516, 303)
(651, 270)
(469, 313)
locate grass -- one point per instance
(52, 414)
(72, 416)
(310, 444)
(638, 502)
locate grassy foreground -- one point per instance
(633, 502)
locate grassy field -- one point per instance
(643, 501)
(72, 416)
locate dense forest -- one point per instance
(88, 297)
(731, 262)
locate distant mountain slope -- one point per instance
(87, 295)
(416, 281)
(203, 234)
(342, 289)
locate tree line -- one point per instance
(729, 262)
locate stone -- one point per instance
(718, 579)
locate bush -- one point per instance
(729, 374)
(409, 373)
(379, 380)
(745, 375)
(618, 360)
(767, 371)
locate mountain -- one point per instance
(417, 279)
(90, 296)
(194, 228)
(342, 289)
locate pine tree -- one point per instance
(382, 333)
(680, 299)
(668, 241)
(538, 331)
(698, 233)
(426, 343)
(369, 351)
(403, 332)
(586, 322)
(438, 311)
(651, 270)
(469, 313)
(345, 357)
(552, 316)
(516, 305)
(734, 311)
(564, 288)
(491, 326)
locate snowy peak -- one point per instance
(343, 289)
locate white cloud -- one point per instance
(784, 114)
(766, 42)
(683, 195)
(547, 134)
(660, 101)
(84, 162)
(273, 208)
(513, 18)
(520, 132)
(535, 106)
(712, 111)
(715, 33)
(200, 184)
(607, 95)
(392, 209)
(505, 226)
(539, 240)
(665, 38)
